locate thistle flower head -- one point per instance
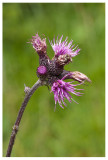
(61, 48)
(39, 44)
(52, 72)
(61, 90)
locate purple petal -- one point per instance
(61, 48)
(61, 90)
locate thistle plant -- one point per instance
(51, 73)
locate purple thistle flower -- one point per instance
(39, 44)
(61, 90)
(62, 48)
(52, 73)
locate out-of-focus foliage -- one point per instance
(79, 129)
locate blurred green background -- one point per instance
(79, 129)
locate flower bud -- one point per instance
(80, 77)
(42, 72)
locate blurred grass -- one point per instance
(78, 130)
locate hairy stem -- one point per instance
(20, 114)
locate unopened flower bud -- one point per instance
(41, 70)
(80, 77)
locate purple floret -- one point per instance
(61, 90)
(61, 48)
